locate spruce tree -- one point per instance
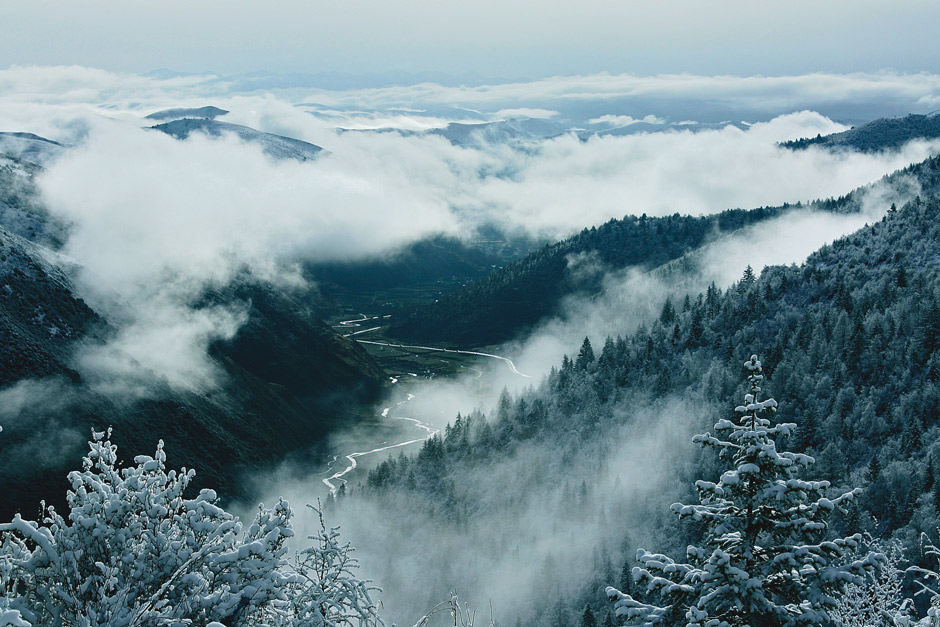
(929, 475)
(765, 558)
(585, 355)
(588, 619)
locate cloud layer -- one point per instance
(156, 221)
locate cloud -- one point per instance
(524, 112)
(576, 97)
(671, 93)
(625, 120)
(531, 531)
(570, 184)
(156, 221)
(630, 297)
(77, 84)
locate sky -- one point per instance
(482, 40)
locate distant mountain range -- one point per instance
(275, 146)
(522, 131)
(208, 112)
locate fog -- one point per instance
(544, 518)
(630, 297)
(155, 223)
(535, 533)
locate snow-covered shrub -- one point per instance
(880, 599)
(461, 615)
(765, 558)
(927, 582)
(133, 550)
(323, 590)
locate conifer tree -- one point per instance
(765, 558)
(929, 475)
(585, 355)
(588, 619)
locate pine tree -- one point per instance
(928, 476)
(588, 619)
(874, 469)
(765, 560)
(747, 279)
(668, 313)
(585, 355)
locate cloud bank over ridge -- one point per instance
(157, 221)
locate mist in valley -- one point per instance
(155, 224)
(557, 518)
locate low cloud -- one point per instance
(518, 547)
(156, 221)
(538, 114)
(625, 120)
(570, 184)
(631, 297)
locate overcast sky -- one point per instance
(492, 38)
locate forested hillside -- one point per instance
(509, 301)
(880, 134)
(286, 379)
(850, 341)
(513, 298)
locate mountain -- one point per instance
(29, 147)
(41, 317)
(286, 379)
(881, 134)
(208, 113)
(21, 212)
(653, 127)
(432, 259)
(850, 342)
(512, 299)
(275, 146)
(512, 131)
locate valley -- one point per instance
(402, 426)
(485, 340)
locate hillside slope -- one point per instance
(287, 379)
(850, 341)
(881, 134)
(515, 297)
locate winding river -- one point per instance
(425, 430)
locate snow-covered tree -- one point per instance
(928, 583)
(880, 600)
(324, 591)
(134, 550)
(765, 558)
